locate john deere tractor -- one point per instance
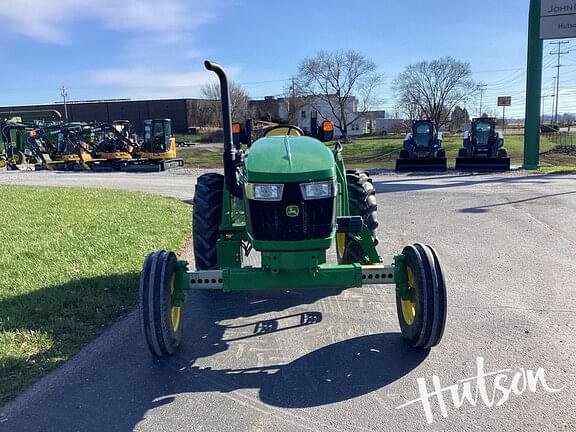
(483, 148)
(12, 144)
(422, 149)
(290, 198)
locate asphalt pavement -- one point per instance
(334, 360)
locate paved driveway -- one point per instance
(334, 361)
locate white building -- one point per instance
(314, 110)
(317, 110)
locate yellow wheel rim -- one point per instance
(340, 244)
(175, 311)
(409, 306)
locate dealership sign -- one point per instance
(505, 101)
(558, 19)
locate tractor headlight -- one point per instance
(318, 190)
(264, 191)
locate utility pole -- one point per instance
(482, 89)
(543, 108)
(558, 66)
(294, 119)
(64, 94)
(553, 96)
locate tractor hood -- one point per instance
(282, 159)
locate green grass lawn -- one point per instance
(70, 265)
(187, 138)
(381, 152)
(195, 157)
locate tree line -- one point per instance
(332, 83)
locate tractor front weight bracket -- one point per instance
(339, 276)
(181, 283)
(401, 277)
(367, 244)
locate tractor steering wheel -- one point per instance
(283, 130)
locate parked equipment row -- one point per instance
(88, 146)
(482, 150)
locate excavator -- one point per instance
(27, 147)
(115, 149)
(158, 149)
(111, 148)
(60, 147)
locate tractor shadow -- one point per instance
(486, 208)
(461, 180)
(333, 373)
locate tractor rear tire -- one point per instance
(206, 220)
(441, 153)
(422, 313)
(404, 154)
(362, 202)
(161, 321)
(462, 153)
(502, 153)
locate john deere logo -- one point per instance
(292, 211)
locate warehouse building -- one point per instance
(185, 113)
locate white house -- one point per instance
(320, 110)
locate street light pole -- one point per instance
(64, 94)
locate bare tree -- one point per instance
(436, 87)
(239, 99)
(344, 81)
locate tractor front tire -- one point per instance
(160, 319)
(206, 219)
(422, 309)
(362, 202)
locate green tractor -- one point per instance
(290, 198)
(15, 152)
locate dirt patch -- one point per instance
(562, 149)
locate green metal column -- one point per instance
(533, 89)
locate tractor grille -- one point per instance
(267, 220)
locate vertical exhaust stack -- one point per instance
(231, 156)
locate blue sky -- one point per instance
(103, 49)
